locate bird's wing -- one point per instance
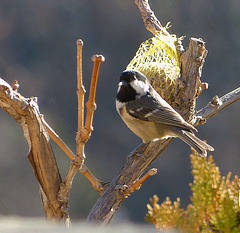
(147, 108)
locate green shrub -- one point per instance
(215, 203)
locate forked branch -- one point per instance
(25, 111)
(84, 132)
(96, 183)
(216, 105)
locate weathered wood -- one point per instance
(115, 193)
(216, 105)
(25, 112)
(188, 84)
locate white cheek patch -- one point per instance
(140, 87)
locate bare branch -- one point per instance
(58, 140)
(96, 183)
(114, 194)
(66, 185)
(91, 104)
(25, 111)
(216, 105)
(83, 133)
(151, 22)
(80, 88)
(137, 184)
(189, 83)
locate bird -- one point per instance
(149, 116)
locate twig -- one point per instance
(80, 93)
(83, 133)
(91, 104)
(80, 88)
(137, 184)
(58, 140)
(96, 183)
(151, 22)
(216, 105)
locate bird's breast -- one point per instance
(146, 130)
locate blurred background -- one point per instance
(38, 48)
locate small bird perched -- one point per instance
(149, 116)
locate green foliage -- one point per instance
(215, 203)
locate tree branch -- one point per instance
(151, 22)
(80, 88)
(114, 195)
(83, 133)
(91, 104)
(97, 184)
(189, 83)
(216, 105)
(25, 111)
(137, 184)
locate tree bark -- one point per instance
(25, 112)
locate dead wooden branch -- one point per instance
(25, 112)
(80, 88)
(151, 22)
(96, 183)
(137, 184)
(189, 83)
(84, 132)
(216, 105)
(114, 194)
(91, 104)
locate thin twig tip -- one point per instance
(97, 57)
(15, 85)
(152, 171)
(79, 42)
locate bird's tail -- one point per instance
(197, 144)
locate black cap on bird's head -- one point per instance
(132, 83)
(131, 75)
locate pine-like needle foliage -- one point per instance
(215, 203)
